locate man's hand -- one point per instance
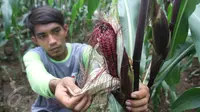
(140, 104)
(78, 103)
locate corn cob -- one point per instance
(160, 32)
(105, 35)
(161, 40)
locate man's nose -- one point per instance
(52, 40)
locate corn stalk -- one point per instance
(139, 42)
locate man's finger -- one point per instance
(71, 86)
(80, 105)
(72, 101)
(61, 94)
(143, 91)
(137, 103)
(138, 109)
(88, 104)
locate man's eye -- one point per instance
(57, 31)
(41, 36)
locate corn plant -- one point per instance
(166, 43)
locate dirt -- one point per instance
(190, 77)
(16, 94)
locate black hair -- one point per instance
(43, 15)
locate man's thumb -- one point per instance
(72, 87)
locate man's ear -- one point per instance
(34, 40)
(65, 27)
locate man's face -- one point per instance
(52, 38)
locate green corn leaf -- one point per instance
(185, 50)
(14, 5)
(175, 73)
(92, 6)
(50, 2)
(188, 100)
(7, 16)
(181, 26)
(169, 91)
(75, 10)
(15, 9)
(128, 14)
(169, 14)
(194, 22)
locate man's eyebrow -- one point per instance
(56, 28)
(40, 33)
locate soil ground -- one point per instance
(17, 96)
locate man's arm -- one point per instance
(47, 85)
(37, 75)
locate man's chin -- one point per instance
(53, 55)
(56, 54)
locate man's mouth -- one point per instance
(55, 49)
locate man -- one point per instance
(52, 67)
